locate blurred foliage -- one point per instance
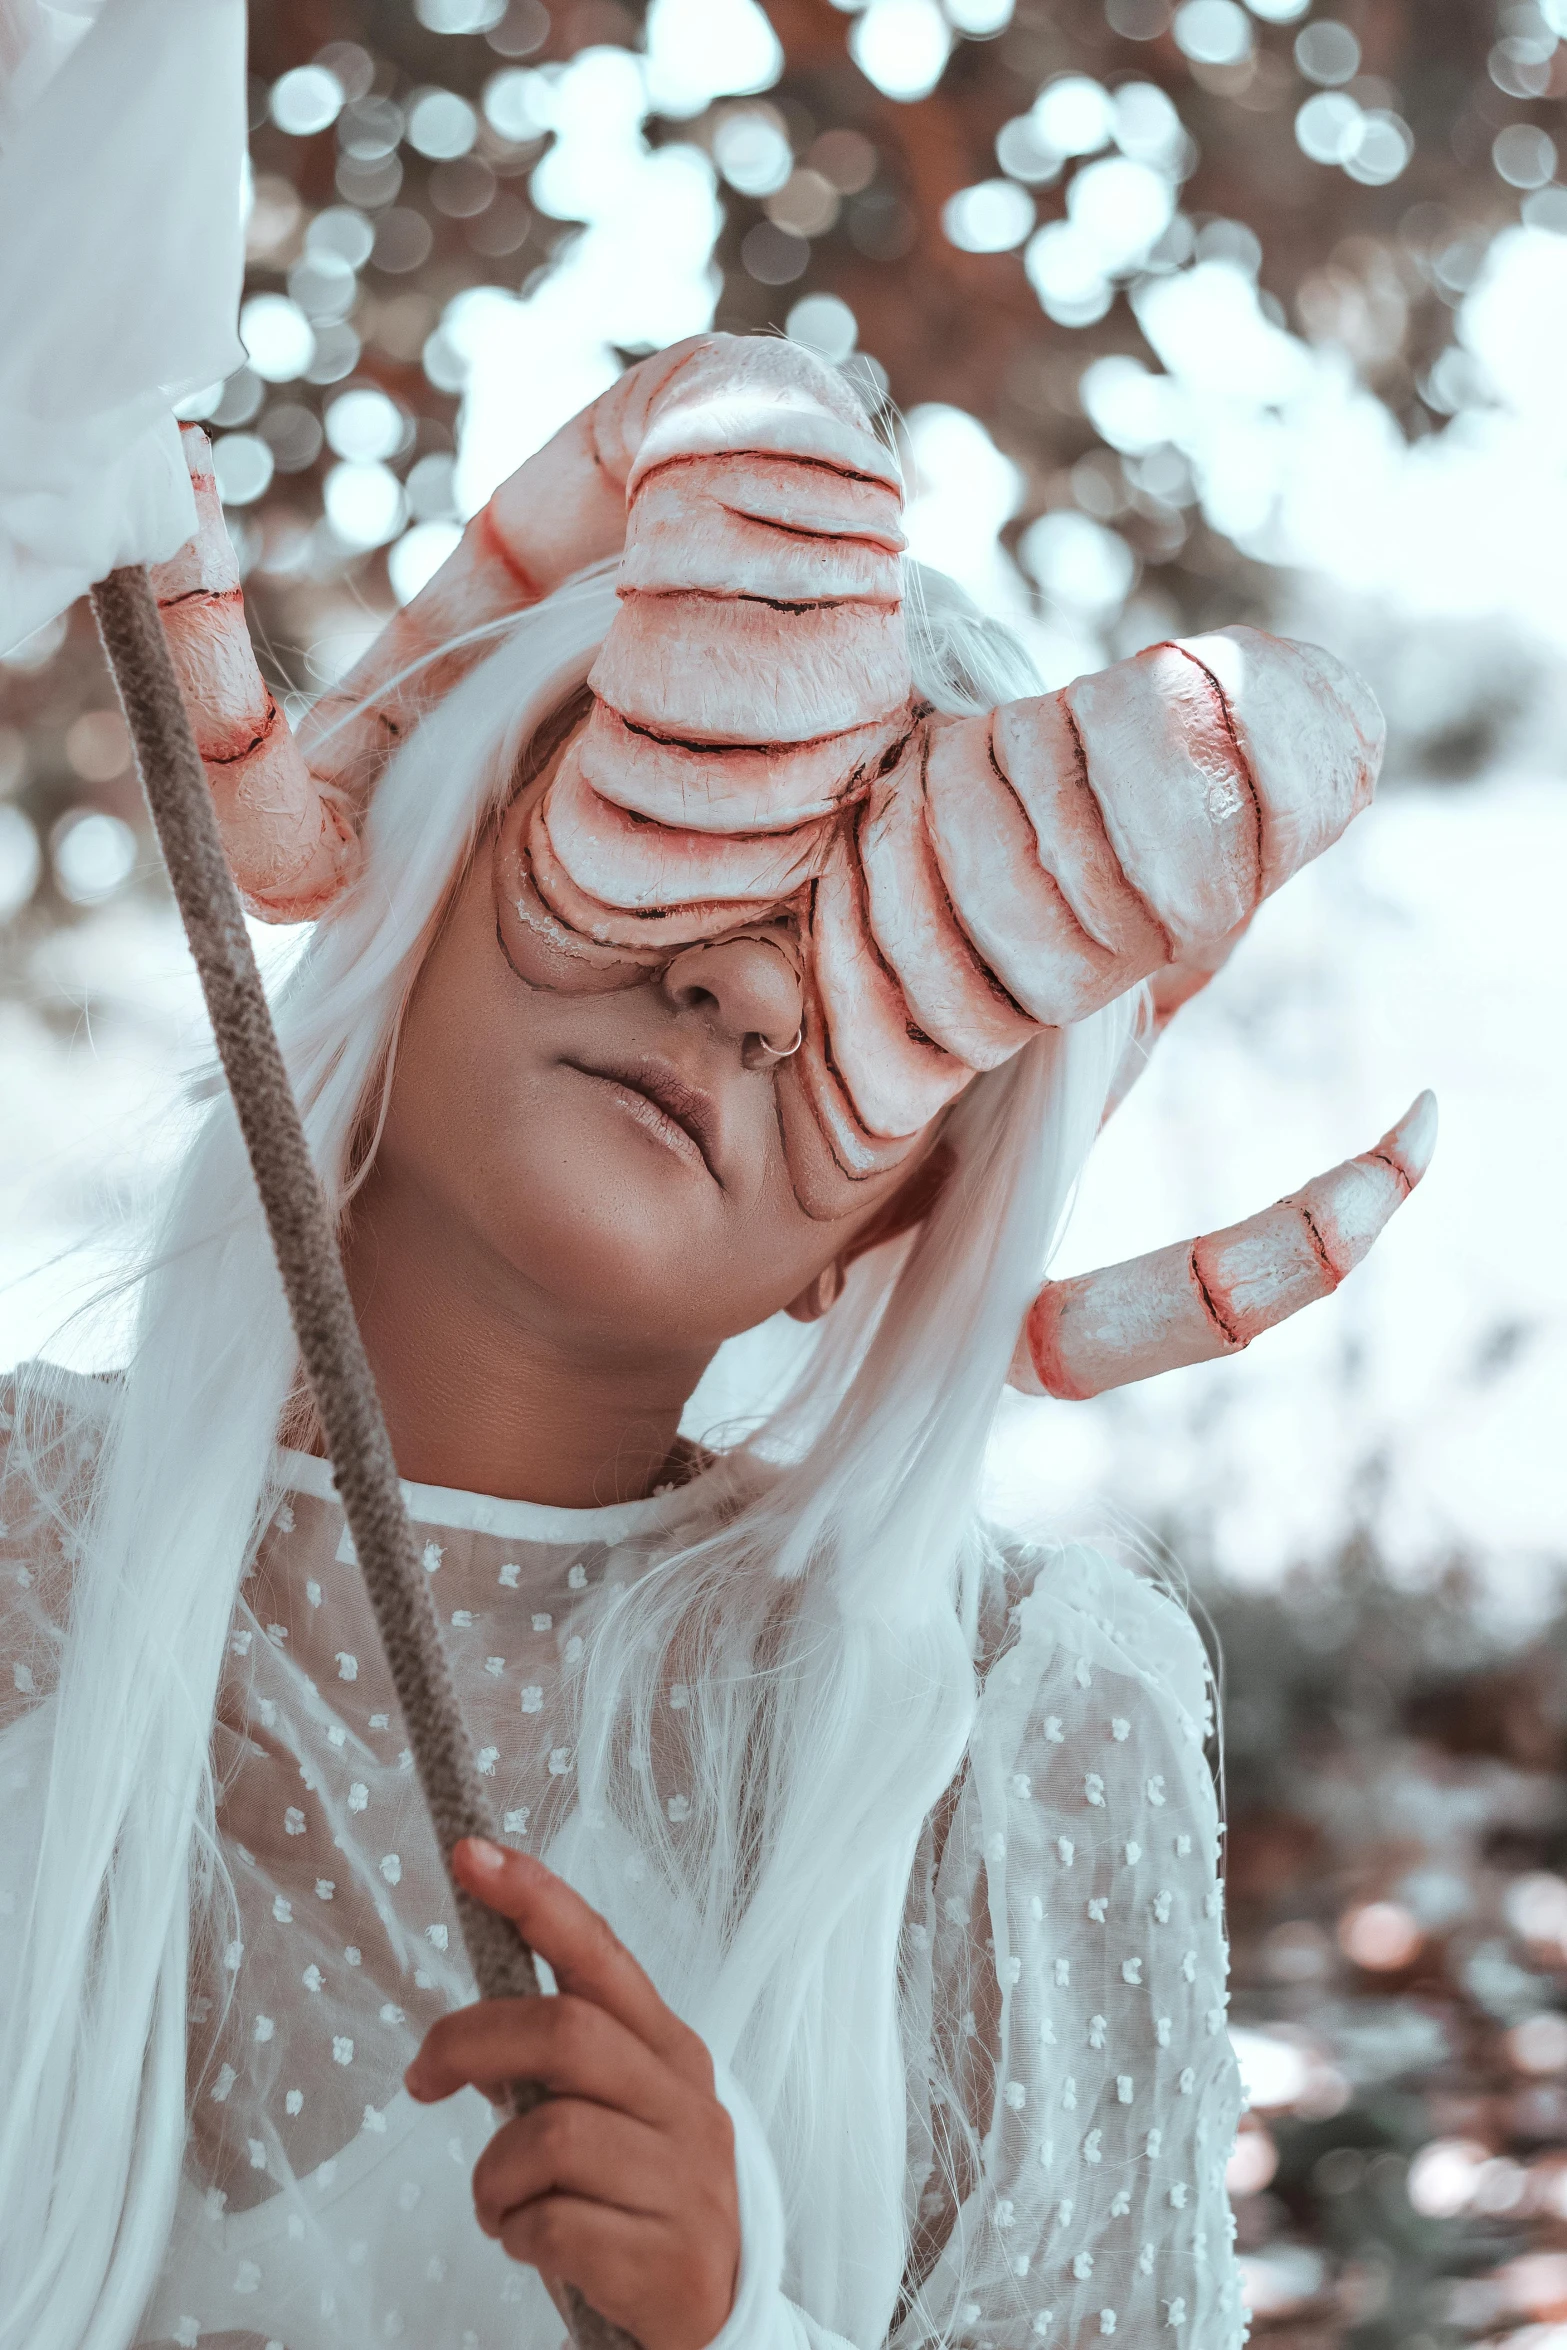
(371, 216)
(1397, 1887)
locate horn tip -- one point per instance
(1412, 1141)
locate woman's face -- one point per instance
(621, 1151)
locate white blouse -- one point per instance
(1064, 1948)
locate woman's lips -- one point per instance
(666, 1105)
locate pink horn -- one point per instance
(289, 809)
(563, 508)
(755, 749)
(290, 848)
(1025, 868)
(1214, 1295)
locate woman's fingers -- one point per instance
(622, 2182)
(583, 1953)
(568, 2147)
(568, 2045)
(628, 2267)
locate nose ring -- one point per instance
(757, 1053)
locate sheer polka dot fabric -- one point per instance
(1064, 1947)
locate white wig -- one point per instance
(837, 1600)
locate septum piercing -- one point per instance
(757, 1053)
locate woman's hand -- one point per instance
(623, 2182)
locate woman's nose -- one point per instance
(749, 988)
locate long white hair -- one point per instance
(832, 1614)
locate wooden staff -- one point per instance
(319, 1305)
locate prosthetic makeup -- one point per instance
(754, 751)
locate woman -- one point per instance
(636, 1015)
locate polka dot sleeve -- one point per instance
(1078, 1967)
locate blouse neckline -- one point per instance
(513, 1521)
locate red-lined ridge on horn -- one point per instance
(1212, 1296)
(755, 750)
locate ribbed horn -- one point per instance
(287, 842)
(1212, 1296)
(289, 810)
(754, 751)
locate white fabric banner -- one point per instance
(122, 146)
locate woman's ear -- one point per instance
(818, 1296)
(908, 1206)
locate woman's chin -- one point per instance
(618, 1244)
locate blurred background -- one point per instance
(1183, 314)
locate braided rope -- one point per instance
(318, 1301)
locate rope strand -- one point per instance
(319, 1304)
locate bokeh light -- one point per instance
(991, 217)
(1148, 126)
(1075, 115)
(1254, 2163)
(1381, 1936)
(1443, 2176)
(98, 745)
(293, 434)
(1132, 408)
(1381, 147)
(94, 855)
(751, 148)
(343, 232)
(981, 20)
(1213, 32)
(1121, 208)
(902, 46)
(1328, 52)
(1064, 270)
(1536, 1907)
(460, 16)
(21, 860)
(1025, 154)
(1275, 2070)
(1539, 2043)
(699, 50)
(823, 324)
(307, 100)
(1078, 562)
(807, 204)
(243, 466)
(441, 125)
(517, 104)
(365, 424)
(364, 503)
(278, 338)
(1524, 155)
(429, 487)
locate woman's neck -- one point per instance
(487, 1383)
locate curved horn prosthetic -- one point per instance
(1212, 1296)
(764, 545)
(563, 508)
(286, 838)
(984, 877)
(754, 750)
(288, 819)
